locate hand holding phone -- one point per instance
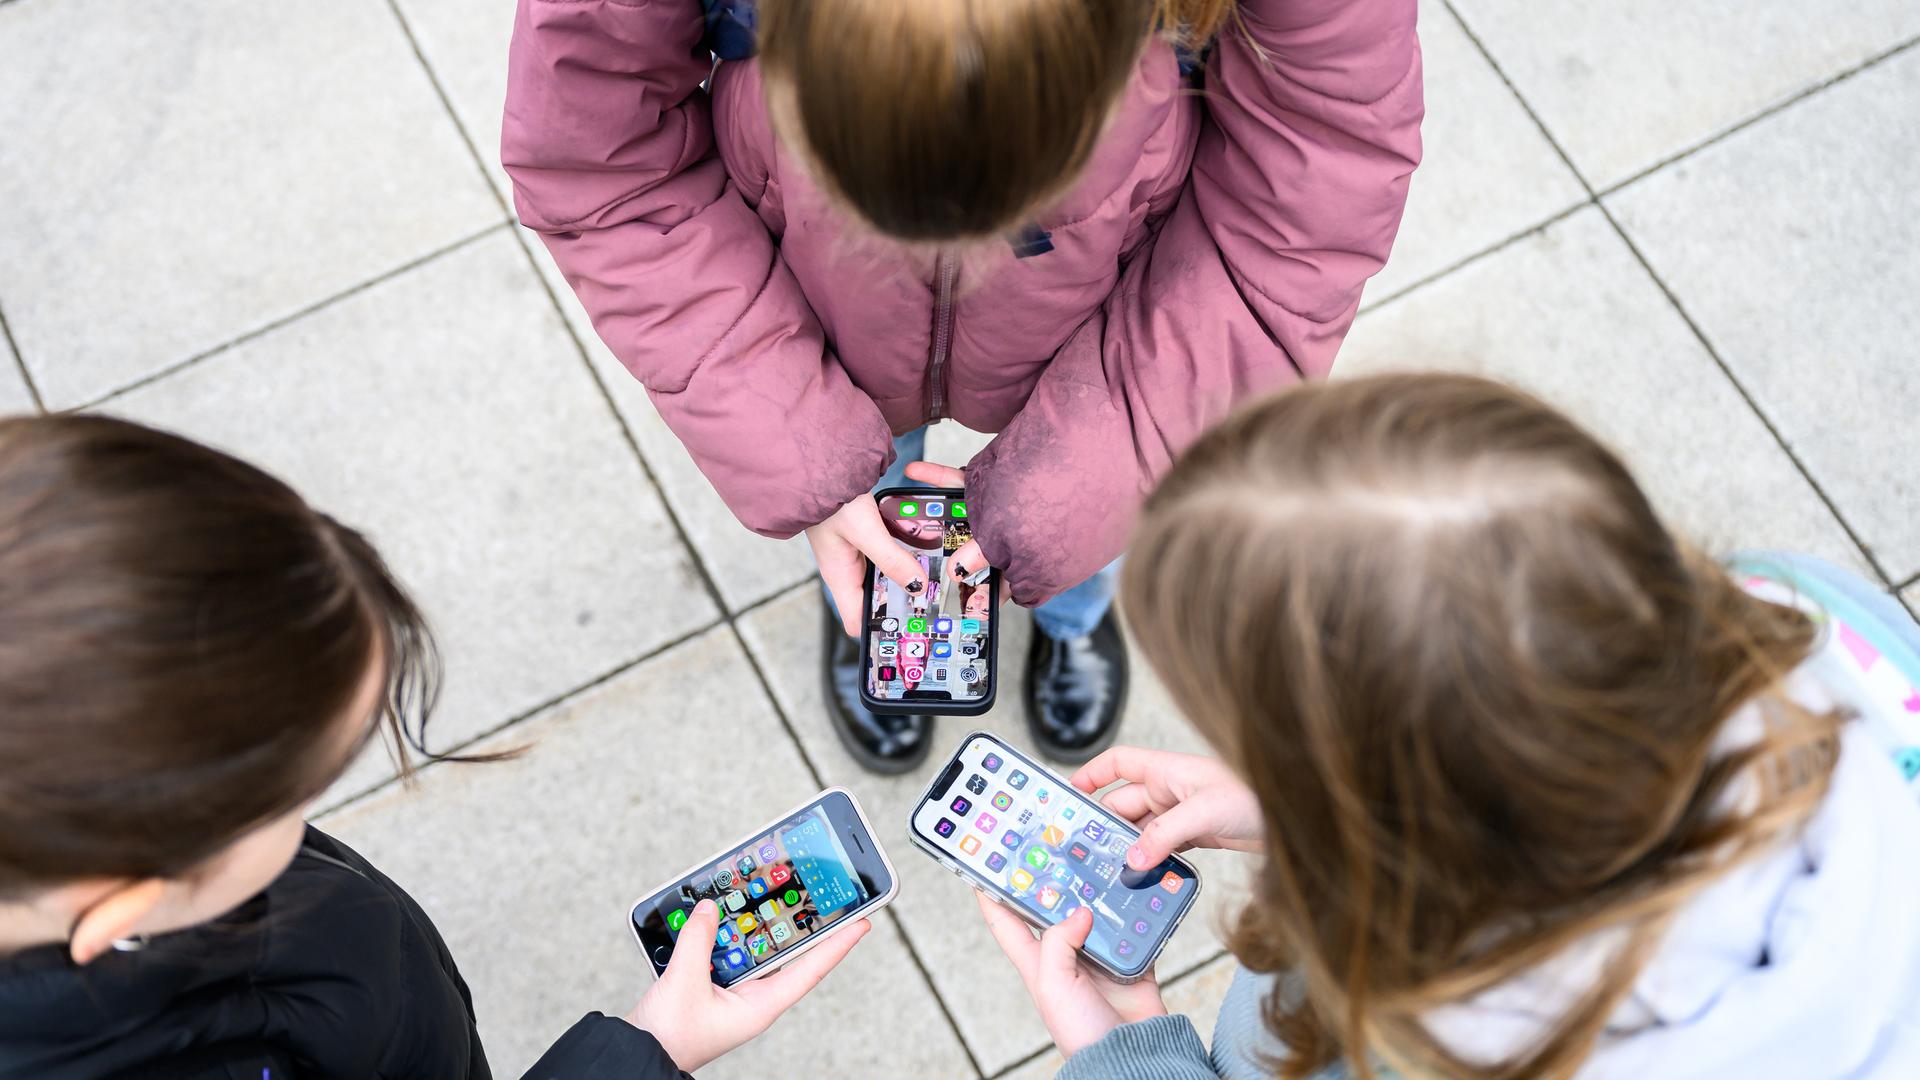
(697, 1021)
(844, 546)
(781, 890)
(928, 645)
(1078, 1005)
(1044, 850)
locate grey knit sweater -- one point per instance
(1168, 1047)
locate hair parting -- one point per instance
(1486, 700)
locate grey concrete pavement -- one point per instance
(283, 229)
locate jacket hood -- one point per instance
(1802, 963)
(60, 1019)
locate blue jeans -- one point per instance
(1071, 614)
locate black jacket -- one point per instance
(333, 971)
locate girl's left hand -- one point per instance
(696, 1021)
(1078, 1006)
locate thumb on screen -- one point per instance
(693, 951)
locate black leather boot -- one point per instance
(1076, 688)
(883, 744)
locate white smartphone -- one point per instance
(1019, 832)
(781, 889)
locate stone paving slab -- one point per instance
(205, 167)
(446, 413)
(14, 397)
(1569, 315)
(1796, 246)
(528, 867)
(465, 44)
(1486, 172)
(1626, 84)
(216, 167)
(746, 567)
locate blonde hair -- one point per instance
(1479, 690)
(948, 120)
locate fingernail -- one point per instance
(960, 570)
(1136, 858)
(913, 586)
(702, 907)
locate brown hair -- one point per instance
(1476, 686)
(944, 120)
(180, 634)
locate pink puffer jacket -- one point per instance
(1215, 247)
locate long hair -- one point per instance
(1479, 690)
(951, 120)
(180, 638)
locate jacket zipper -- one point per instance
(946, 270)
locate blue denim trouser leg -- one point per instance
(1077, 611)
(1073, 613)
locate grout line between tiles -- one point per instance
(773, 597)
(284, 320)
(892, 916)
(446, 103)
(694, 556)
(939, 1002)
(1193, 969)
(1673, 300)
(1525, 105)
(1771, 110)
(565, 697)
(727, 616)
(1023, 1062)
(13, 347)
(1369, 307)
(1740, 388)
(1900, 596)
(1594, 196)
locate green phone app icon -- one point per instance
(958, 509)
(909, 509)
(916, 625)
(676, 920)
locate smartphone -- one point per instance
(781, 889)
(1031, 841)
(931, 652)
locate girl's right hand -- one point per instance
(1177, 801)
(843, 543)
(696, 1021)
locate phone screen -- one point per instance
(788, 883)
(1041, 844)
(934, 646)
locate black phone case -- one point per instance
(929, 708)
